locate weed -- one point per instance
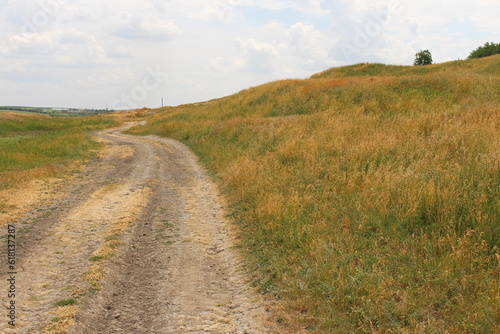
(66, 302)
(98, 258)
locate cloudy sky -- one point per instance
(129, 53)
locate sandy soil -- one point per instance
(137, 242)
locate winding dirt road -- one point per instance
(136, 243)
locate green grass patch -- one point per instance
(66, 302)
(98, 258)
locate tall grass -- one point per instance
(37, 146)
(370, 203)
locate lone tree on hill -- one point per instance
(488, 49)
(423, 57)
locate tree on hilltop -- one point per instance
(423, 57)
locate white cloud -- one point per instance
(221, 64)
(31, 43)
(310, 45)
(119, 51)
(204, 10)
(311, 7)
(218, 10)
(257, 56)
(146, 27)
(75, 37)
(56, 48)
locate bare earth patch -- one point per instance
(136, 243)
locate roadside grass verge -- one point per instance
(38, 146)
(369, 203)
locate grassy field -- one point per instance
(37, 146)
(368, 196)
(68, 112)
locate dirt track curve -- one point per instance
(137, 243)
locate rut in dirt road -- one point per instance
(144, 248)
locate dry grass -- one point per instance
(133, 115)
(63, 321)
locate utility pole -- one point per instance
(162, 101)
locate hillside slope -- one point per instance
(368, 196)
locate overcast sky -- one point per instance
(130, 53)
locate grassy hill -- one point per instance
(368, 195)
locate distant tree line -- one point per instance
(488, 49)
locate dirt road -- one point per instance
(136, 243)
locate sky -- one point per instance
(127, 54)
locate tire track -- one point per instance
(178, 273)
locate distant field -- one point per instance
(368, 196)
(53, 112)
(34, 146)
(17, 111)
